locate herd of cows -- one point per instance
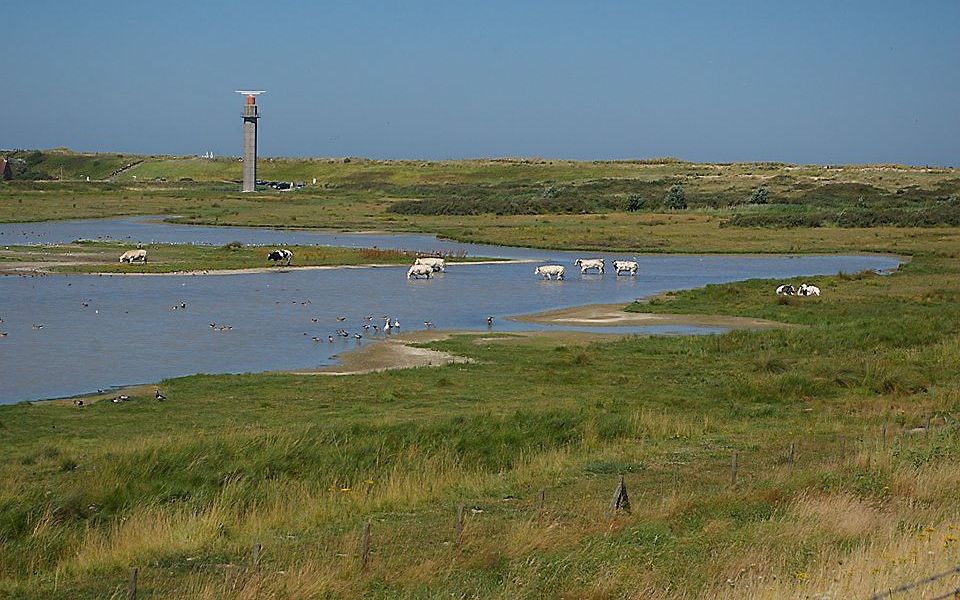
(620, 267)
(803, 290)
(425, 267)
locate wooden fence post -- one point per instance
(541, 496)
(733, 469)
(620, 501)
(365, 546)
(256, 556)
(132, 585)
(458, 529)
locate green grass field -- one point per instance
(102, 257)
(866, 392)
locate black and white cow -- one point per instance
(282, 254)
(786, 290)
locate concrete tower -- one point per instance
(250, 117)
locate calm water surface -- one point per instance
(127, 332)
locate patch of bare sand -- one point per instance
(392, 353)
(33, 263)
(399, 352)
(614, 315)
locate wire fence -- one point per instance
(620, 503)
(922, 582)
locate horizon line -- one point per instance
(503, 158)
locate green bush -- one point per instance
(676, 199)
(504, 205)
(760, 195)
(945, 211)
(552, 192)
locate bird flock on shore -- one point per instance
(390, 325)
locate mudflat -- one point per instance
(614, 315)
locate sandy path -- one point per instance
(613, 315)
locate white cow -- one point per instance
(808, 290)
(437, 264)
(417, 271)
(550, 271)
(589, 263)
(132, 256)
(629, 266)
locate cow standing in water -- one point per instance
(590, 263)
(282, 254)
(630, 267)
(550, 271)
(417, 271)
(437, 264)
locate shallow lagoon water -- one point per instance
(128, 333)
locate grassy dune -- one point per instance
(489, 200)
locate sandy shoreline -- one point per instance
(397, 352)
(44, 268)
(401, 351)
(613, 315)
(392, 353)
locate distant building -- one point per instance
(6, 171)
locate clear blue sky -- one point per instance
(815, 82)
